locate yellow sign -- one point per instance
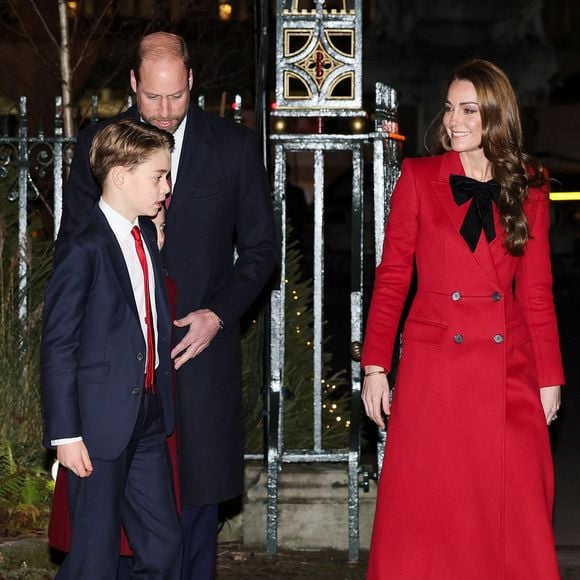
(565, 196)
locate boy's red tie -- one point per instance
(150, 368)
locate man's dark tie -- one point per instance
(150, 368)
(480, 213)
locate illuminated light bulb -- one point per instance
(357, 125)
(224, 11)
(279, 125)
(339, 419)
(72, 7)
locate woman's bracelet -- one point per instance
(374, 373)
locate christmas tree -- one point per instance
(298, 372)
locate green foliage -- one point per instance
(25, 490)
(25, 485)
(20, 409)
(298, 373)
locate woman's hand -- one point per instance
(550, 397)
(375, 394)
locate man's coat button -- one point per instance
(140, 356)
(135, 390)
(456, 296)
(496, 296)
(458, 338)
(498, 338)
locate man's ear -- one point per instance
(133, 80)
(189, 79)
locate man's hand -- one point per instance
(203, 326)
(75, 456)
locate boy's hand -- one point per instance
(75, 456)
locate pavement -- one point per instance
(238, 564)
(27, 559)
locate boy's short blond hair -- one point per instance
(125, 143)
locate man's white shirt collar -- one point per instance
(176, 153)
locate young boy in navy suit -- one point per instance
(105, 362)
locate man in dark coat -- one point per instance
(220, 201)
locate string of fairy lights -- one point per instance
(330, 408)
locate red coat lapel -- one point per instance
(451, 164)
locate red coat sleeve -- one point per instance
(533, 289)
(393, 275)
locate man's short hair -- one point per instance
(160, 45)
(126, 143)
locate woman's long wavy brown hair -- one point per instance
(502, 142)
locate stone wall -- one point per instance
(312, 506)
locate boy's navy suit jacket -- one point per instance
(93, 350)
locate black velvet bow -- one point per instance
(480, 213)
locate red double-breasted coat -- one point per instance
(466, 489)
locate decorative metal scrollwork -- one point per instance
(39, 166)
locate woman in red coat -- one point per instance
(466, 489)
